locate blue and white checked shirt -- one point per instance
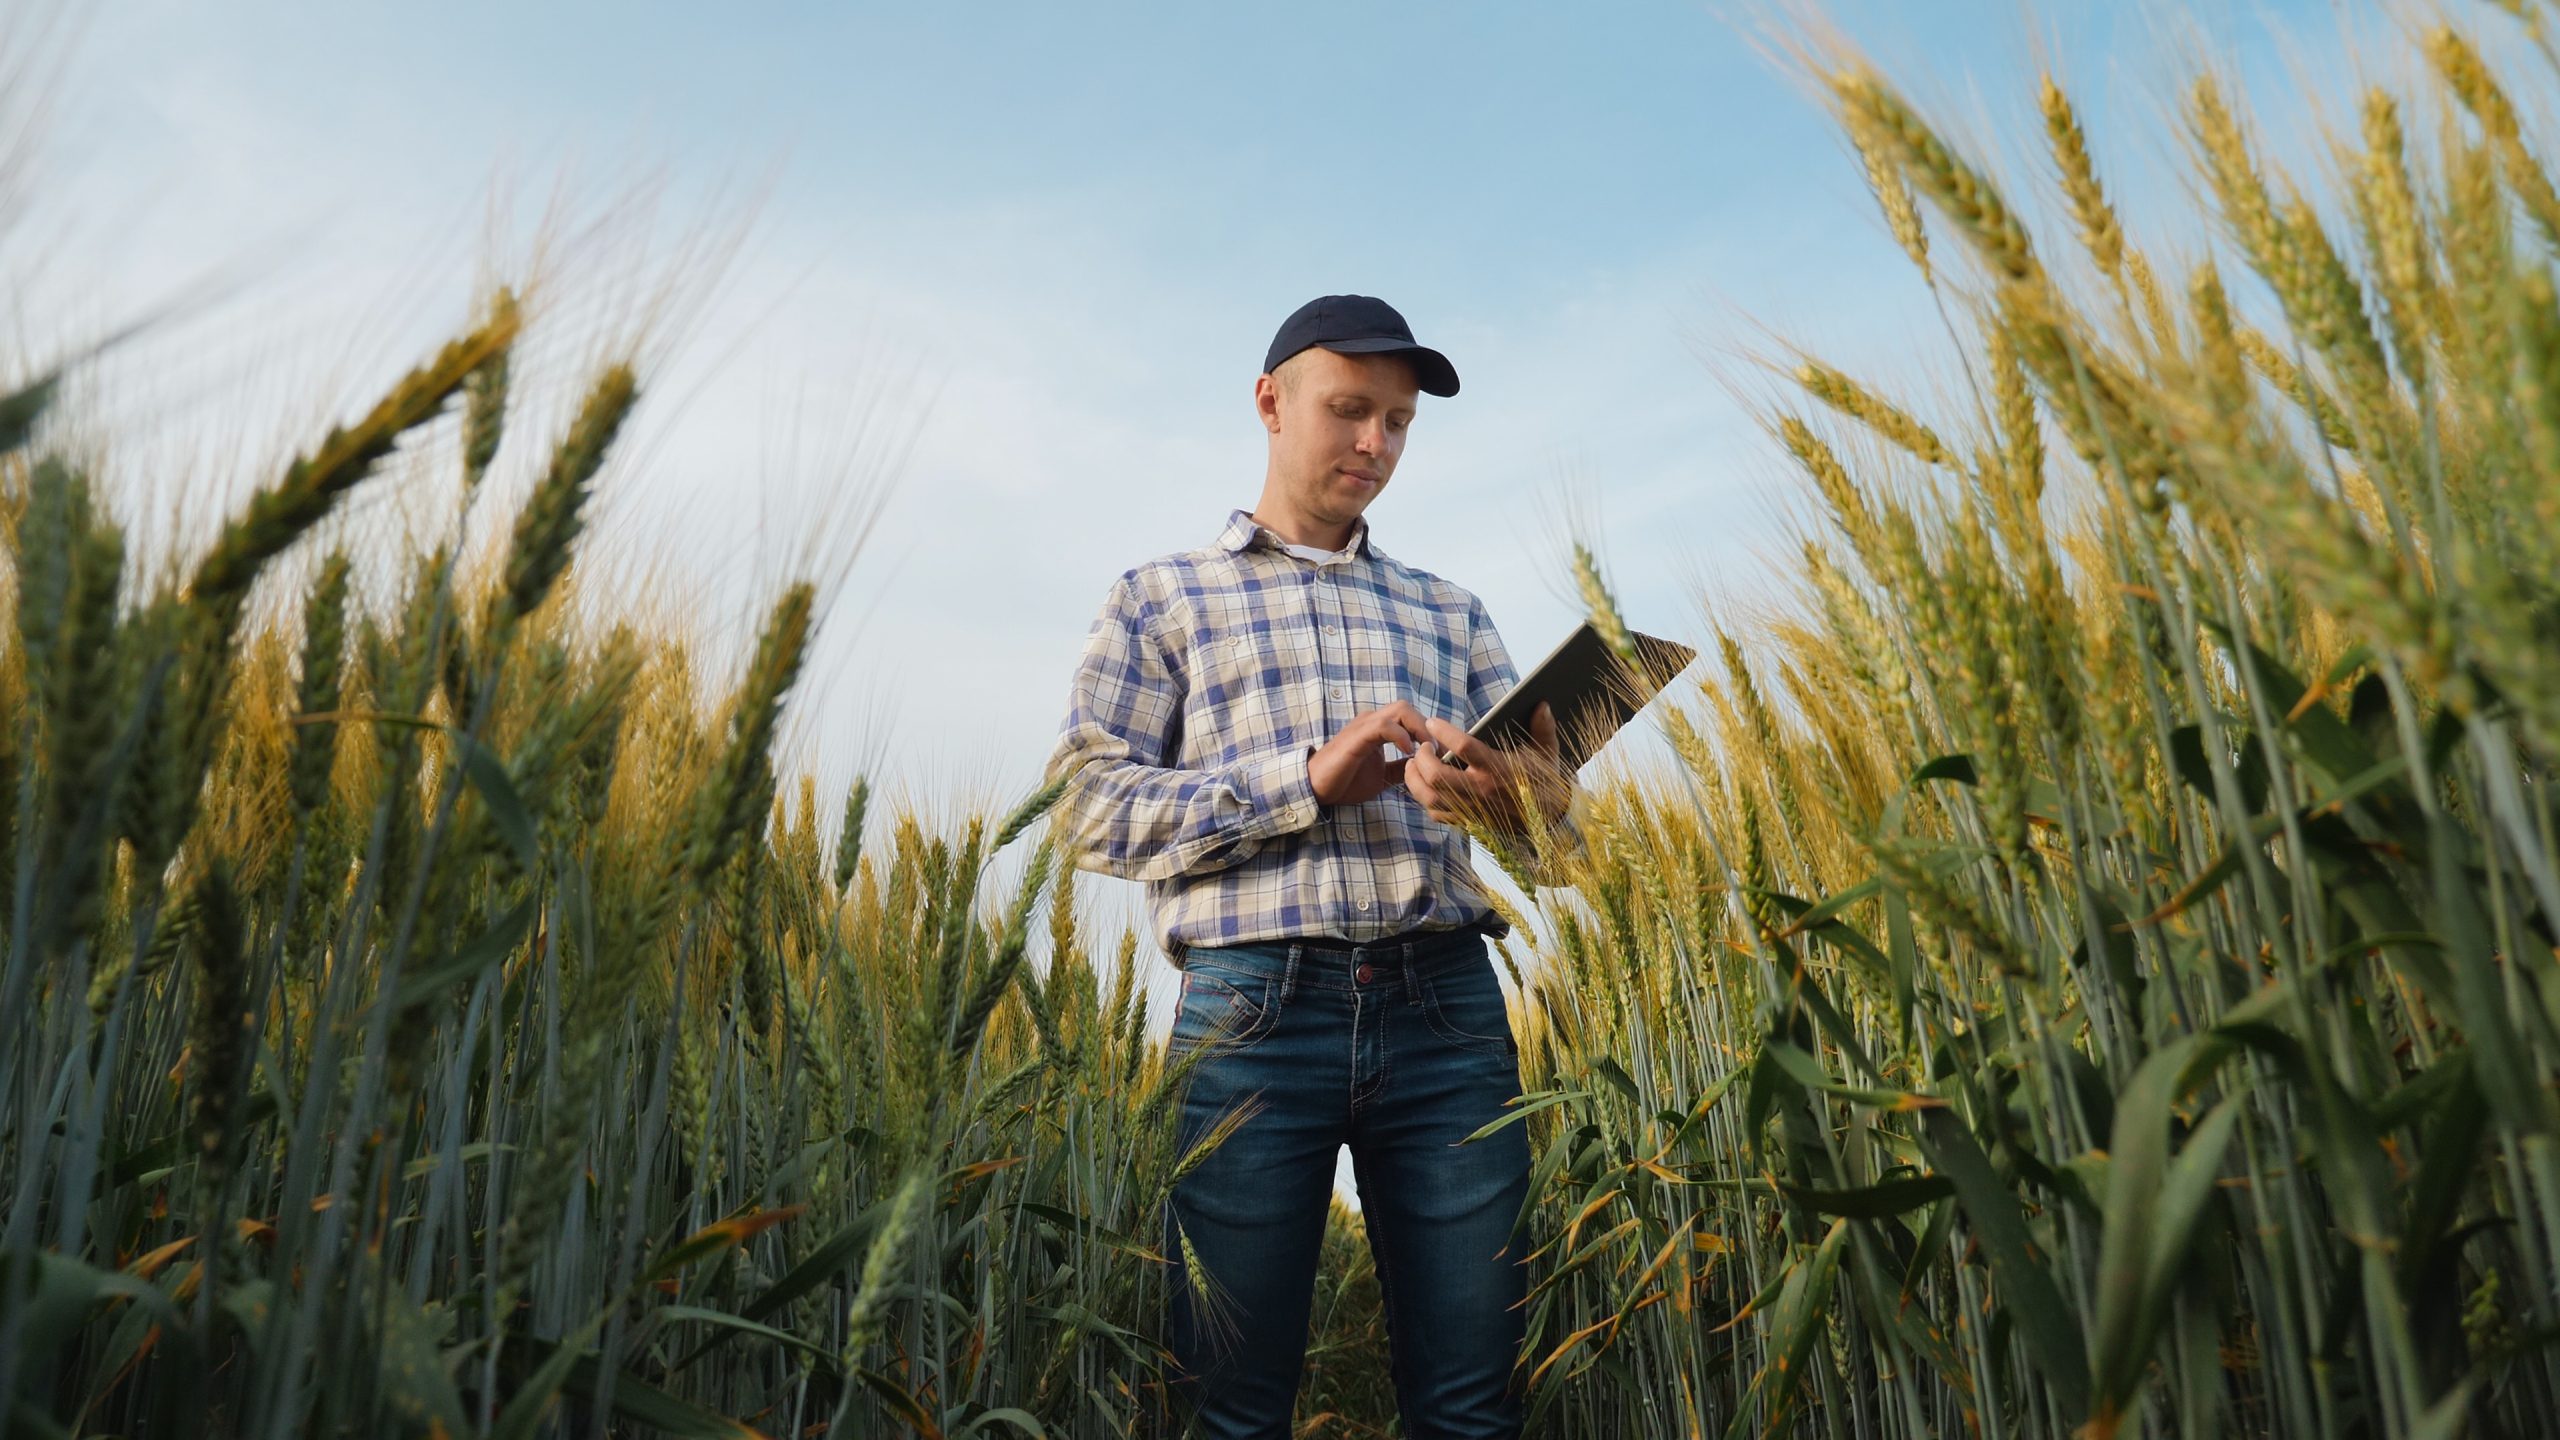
(1206, 682)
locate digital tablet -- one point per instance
(1593, 692)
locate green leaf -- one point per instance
(471, 1154)
(2137, 1157)
(2187, 757)
(834, 1255)
(2184, 1194)
(1806, 990)
(902, 1404)
(23, 407)
(1821, 922)
(2047, 1325)
(1904, 952)
(2508, 1079)
(2457, 1121)
(2315, 733)
(1608, 1068)
(432, 980)
(2266, 827)
(717, 1238)
(732, 1326)
(488, 774)
(1796, 1321)
(1958, 768)
(65, 1295)
(2424, 1093)
(526, 1409)
(1806, 1071)
(636, 1399)
(1933, 1244)
(1805, 914)
(1874, 1202)
(1524, 1107)
(1092, 1229)
(1689, 1124)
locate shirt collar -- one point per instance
(1243, 532)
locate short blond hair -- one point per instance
(1289, 372)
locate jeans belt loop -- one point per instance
(1412, 979)
(1289, 976)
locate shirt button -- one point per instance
(1337, 692)
(1363, 973)
(1364, 904)
(1333, 630)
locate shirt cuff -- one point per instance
(1278, 793)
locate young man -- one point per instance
(1263, 732)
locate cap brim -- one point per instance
(1431, 369)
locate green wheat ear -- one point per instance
(740, 788)
(857, 804)
(278, 515)
(908, 1210)
(220, 1044)
(484, 410)
(324, 648)
(1600, 605)
(556, 512)
(1033, 806)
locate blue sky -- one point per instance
(1008, 270)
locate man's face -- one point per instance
(1337, 426)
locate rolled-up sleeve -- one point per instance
(1131, 813)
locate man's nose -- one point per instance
(1373, 439)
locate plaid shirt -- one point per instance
(1205, 685)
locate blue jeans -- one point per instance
(1399, 1052)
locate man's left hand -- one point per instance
(1485, 784)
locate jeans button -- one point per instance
(1362, 974)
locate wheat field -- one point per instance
(2090, 973)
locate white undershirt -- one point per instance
(1311, 553)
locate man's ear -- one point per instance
(1266, 402)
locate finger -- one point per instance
(1443, 789)
(1423, 777)
(1411, 720)
(1391, 728)
(1542, 728)
(1459, 744)
(1477, 785)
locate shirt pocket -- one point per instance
(1435, 672)
(1239, 695)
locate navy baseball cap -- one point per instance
(1360, 325)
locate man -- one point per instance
(1271, 733)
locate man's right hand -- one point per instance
(1351, 768)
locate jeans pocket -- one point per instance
(1465, 1008)
(1228, 1008)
